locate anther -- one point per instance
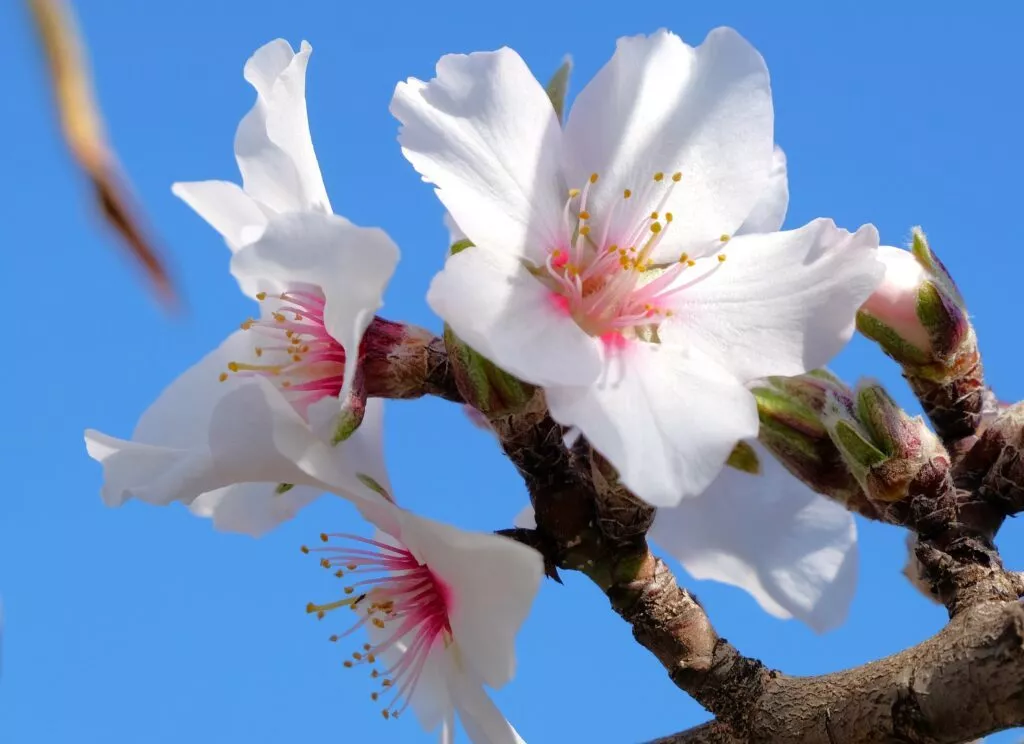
(323, 537)
(668, 217)
(724, 238)
(677, 176)
(656, 227)
(261, 296)
(721, 258)
(573, 193)
(305, 550)
(324, 563)
(584, 215)
(347, 664)
(659, 176)
(654, 215)
(593, 178)
(333, 639)
(626, 194)
(223, 376)
(585, 230)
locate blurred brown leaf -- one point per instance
(82, 125)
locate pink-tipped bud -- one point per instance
(894, 302)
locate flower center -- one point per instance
(297, 353)
(602, 272)
(404, 601)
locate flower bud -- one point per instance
(791, 428)
(883, 447)
(918, 317)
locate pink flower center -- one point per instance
(602, 272)
(295, 350)
(405, 602)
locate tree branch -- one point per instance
(963, 683)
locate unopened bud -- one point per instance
(883, 447)
(396, 359)
(484, 385)
(918, 317)
(791, 428)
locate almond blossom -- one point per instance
(441, 608)
(630, 264)
(318, 280)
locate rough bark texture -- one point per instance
(963, 683)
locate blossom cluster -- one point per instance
(627, 264)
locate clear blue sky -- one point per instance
(143, 624)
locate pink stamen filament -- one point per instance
(306, 362)
(402, 596)
(604, 286)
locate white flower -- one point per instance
(769, 534)
(442, 608)
(319, 281)
(315, 268)
(599, 271)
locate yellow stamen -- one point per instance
(721, 258)
(626, 194)
(659, 176)
(656, 228)
(668, 217)
(223, 376)
(676, 176)
(584, 215)
(593, 178)
(573, 193)
(724, 238)
(261, 296)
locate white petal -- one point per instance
(256, 508)
(252, 508)
(272, 145)
(485, 134)
(228, 209)
(660, 105)
(770, 211)
(151, 473)
(352, 265)
(493, 581)
(794, 551)
(665, 416)
(782, 303)
(256, 436)
(180, 417)
(481, 718)
(167, 458)
(503, 312)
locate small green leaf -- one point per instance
(460, 245)
(374, 486)
(744, 458)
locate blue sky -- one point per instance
(143, 624)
